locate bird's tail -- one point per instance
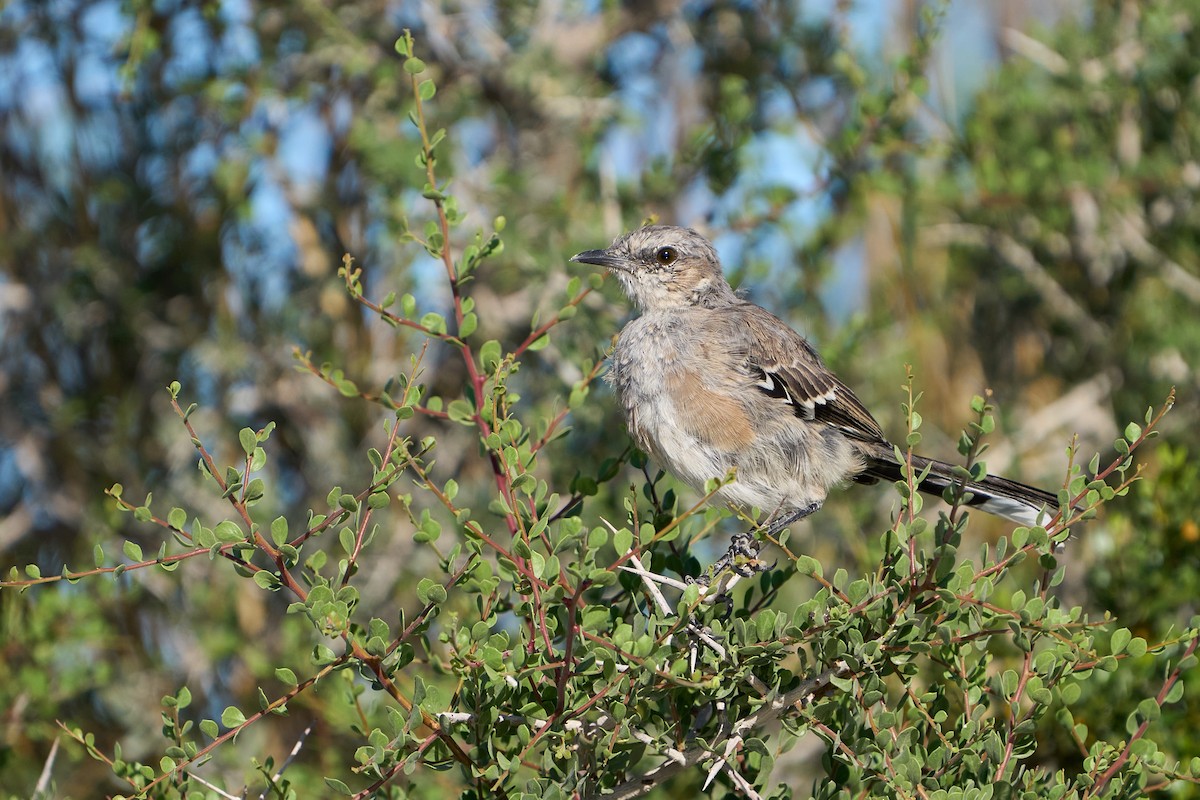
(1017, 502)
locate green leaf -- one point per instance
(1120, 640)
(461, 411)
(524, 483)
(286, 676)
(426, 89)
(248, 440)
(623, 541)
(1019, 537)
(133, 551)
(256, 489)
(431, 592)
(807, 565)
(414, 65)
(279, 530)
(429, 531)
(204, 537)
(209, 728)
(177, 518)
(1143, 748)
(857, 591)
(267, 580)
(764, 623)
(434, 322)
(489, 355)
(520, 548)
(469, 323)
(228, 532)
(597, 537)
(347, 540)
(334, 783)
(231, 717)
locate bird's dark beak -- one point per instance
(601, 258)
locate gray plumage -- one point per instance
(710, 382)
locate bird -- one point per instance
(711, 383)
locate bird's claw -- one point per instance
(741, 557)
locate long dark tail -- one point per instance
(1013, 501)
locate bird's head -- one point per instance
(662, 267)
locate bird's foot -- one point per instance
(739, 561)
(741, 557)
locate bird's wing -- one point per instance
(785, 366)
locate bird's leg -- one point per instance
(776, 524)
(742, 555)
(741, 558)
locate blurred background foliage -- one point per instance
(1002, 194)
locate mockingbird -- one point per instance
(710, 382)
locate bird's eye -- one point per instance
(666, 256)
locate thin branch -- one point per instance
(1127, 751)
(769, 712)
(43, 782)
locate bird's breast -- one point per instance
(675, 407)
(645, 355)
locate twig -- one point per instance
(1120, 761)
(291, 756)
(43, 782)
(221, 792)
(769, 712)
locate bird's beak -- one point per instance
(601, 258)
